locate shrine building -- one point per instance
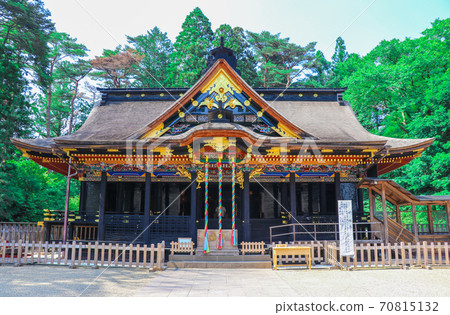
(222, 155)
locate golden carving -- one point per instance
(166, 151)
(258, 170)
(240, 179)
(220, 144)
(232, 103)
(156, 132)
(183, 172)
(283, 131)
(200, 178)
(221, 83)
(209, 102)
(277, 150)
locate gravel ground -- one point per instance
(50, 281)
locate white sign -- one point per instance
(346, 228)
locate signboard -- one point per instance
(346, 228)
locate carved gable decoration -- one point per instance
(222, 96)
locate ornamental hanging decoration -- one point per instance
(206, 246)
(233, 203)
(220, 241)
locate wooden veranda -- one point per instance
(394, 230)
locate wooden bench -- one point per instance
(284, 250)
(184, 245)
(252, 248)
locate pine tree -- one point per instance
(62, 47)
(191, 50)
(236, 39)
(116, 68)
(156, 48)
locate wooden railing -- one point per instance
(321, 231)
(182, 247)
(82, 254)
(392, 255)
(252, 248)
(26, 231)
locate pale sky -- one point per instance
(363, 24)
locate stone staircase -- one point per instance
(219, 258)
(222, 260)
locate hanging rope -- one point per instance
(220, 245)
(206, 246)
(233, 203)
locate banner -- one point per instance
(346, 228)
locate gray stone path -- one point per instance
(40, 281)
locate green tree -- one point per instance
(62, 47)
(156, 49)
(401, 89)
(191, 50)
(236, 39)
(281, 62)
(24, 30)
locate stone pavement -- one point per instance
(39, 281)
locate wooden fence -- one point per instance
(392, 255)
(25, 231)
(83, 254)
(375, 255)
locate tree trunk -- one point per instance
(72, 101)
(49, 99)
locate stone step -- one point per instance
(219, 258)
(220, 264)
(218, 252)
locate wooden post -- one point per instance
(323, 198)
(398, 214)
(385, 216)
(246, 225)
(337, 187)
(448, 217)
(416, 231)
(293, 199)
(430, 220)
(101, 207)
(148, 185)
(372, 213)
(193, 217)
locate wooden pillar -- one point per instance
(82, 204)
(337, 188)
(101, 207)
(430, 220)
(416, 231)
(323, 198)
(148, 187)
(385, 216)
(246, 223)
(371, 205)
(398, 214)
(448, 217)
(119, 197)
(293, 203)
(193, 217)
(372, 212)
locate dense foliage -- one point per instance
(399, 89)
